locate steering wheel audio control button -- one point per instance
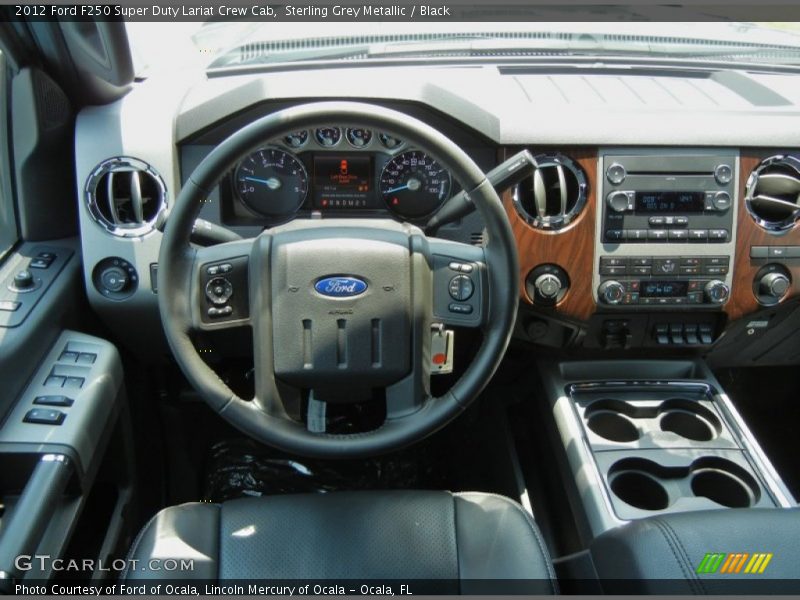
(219, 290)
(461, 288)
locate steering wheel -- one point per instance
(340, 309)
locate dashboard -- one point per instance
(652, 225)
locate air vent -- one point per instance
(773, 193)
(125, 196)
(554, 195)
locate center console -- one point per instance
(645, 438)
(666, 230)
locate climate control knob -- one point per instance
(774, 285)
(618, 201)
(611, 292)
(717, 291)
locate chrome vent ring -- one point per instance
(555, 195)
(772, 194)
(125, 196)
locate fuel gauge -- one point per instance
(296, 139)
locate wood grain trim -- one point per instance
(571, 248)
(748, 233)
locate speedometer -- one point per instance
(414, 184)
(272, 182)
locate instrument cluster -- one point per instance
(335, 169)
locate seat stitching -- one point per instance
(692, 574)
(534, 529)
(666, 534)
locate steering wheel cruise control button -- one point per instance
(219, 290)
(461, 288)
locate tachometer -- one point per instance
(414, 184)
(272, 182)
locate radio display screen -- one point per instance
(663, 289)
(670, 202)
(342, 181)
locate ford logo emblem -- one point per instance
(341, 287)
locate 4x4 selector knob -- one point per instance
(717, 291)
(774, 285)
(618, 201)
(611, 292)
(547, 285)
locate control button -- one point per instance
(51, 256)
(213, 270)
(86, 358)
(44, 416)
(39, 263)
(114, 279)
(706, 334)
(759, 252)
(777, 252)
(225, 311)
(691, 261)
(633, 286)
(219, 290)
(53, 401)
(225, 268)
(681, 221)
(548, 285)
(656, 221)
(455, 266)
(665, 266)
(636, 234)
(616, 271)
(462, 309)
(695, 297)
(69, 356)
(718, 235)
(662, 333)
(711, 270)
(640, 270)
(680, 300)
(9, 306)
(612, 261)
(775, 285)
(615, 235)
(721, 201)
(74, 383)
(690, 270)
(723, 174)
(641, 261)
(461, 288)
(55, 381)
(616, 173)
(690, 334)
(659, 235)
(716, 261)
(676, 333)
(630, 298)
(611, 292)
(793, 252)
(24, 280)
(698, 235)
(716, 291)
(680, 235)
(620, 201)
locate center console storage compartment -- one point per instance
(645, 438)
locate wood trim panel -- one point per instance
(743, 301)
(571, 248)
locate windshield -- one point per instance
(221, 45)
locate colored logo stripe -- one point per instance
(732, 563)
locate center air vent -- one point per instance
(773, 193)
(554, 195)
(125, 196)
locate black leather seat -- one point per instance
(433, 541)
(668, 554)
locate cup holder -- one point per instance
(687, 425)
(726, 484)
(613, 426)
(640, 490)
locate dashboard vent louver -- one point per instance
(125, 196)
(555, 195)
(773, 193)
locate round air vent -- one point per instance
(554, 195)
(125, 196)
(773, 193)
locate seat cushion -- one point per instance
(696, 553)
(438, 541)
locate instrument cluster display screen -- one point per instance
(670, 202)
(663, 289)
(343, 181)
